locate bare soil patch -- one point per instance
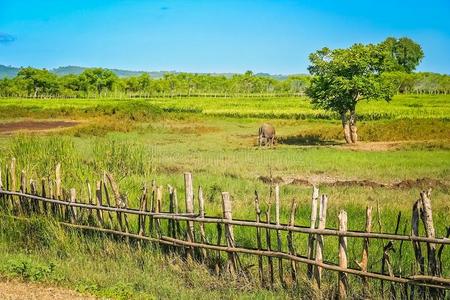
(329, 181)
(194, 129)
(15, 290)
(33, 125)
(376, 146)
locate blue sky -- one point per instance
(212, 36)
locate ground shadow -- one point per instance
(306, 140)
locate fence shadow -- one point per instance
(307, 140)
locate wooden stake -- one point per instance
(23, 189)
(175, 205)
(277, 221)
(269, 247)
(320, 242)
(219, 241)
(343, 283)
(54, 206)
(91, 219)
(159, 197)
(290, 239)
(44, 194)
(142, 207)
(12, 172)
(34, 203)
(189, 200)
(417, 209)
(98, 196)
(365, 253)
(73, 199)
(58, 190)
(228, 215)
(171, 229)
(311, 238)
(152, 208)
(201, 205)
(258, 240)
(427, 219)
(108, 200)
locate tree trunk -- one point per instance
(353, 129)
(346, 127)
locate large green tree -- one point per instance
(38, 81)
(344, 77)
(98, 80)
(402, 54)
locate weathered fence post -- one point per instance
(290, 239)
(73, 210)
(12, 172)
(98, 195)
(171, 229)
(365, 251)
(228, 215)
(427, 219)
(142, 207)
(258, 239)
(189, 199)
(23, 204)
(343, 283)
(58, 190)
(159, 197)
(108, 200)
(420, 261)
(91, 219)
(176, 210)
(152, 207)
(44, 195)
(312, 238)
(320, 242)
(201, 205)
(277, 222)
(269, 248)
(34, 203)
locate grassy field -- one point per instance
(141, 140)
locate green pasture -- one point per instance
(402, 106)
(214, 138)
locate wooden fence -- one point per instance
(106, 210)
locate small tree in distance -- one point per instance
(343, 77)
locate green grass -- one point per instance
(402, 106)
(141, 140)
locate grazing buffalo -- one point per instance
(266, 135)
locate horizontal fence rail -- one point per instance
(196, 218)
(195, 235)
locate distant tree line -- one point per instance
(98, 82)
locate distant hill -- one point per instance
(9, 72)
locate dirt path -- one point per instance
(33, 125)
(15, 290)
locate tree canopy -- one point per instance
(403, 54)
(343, 77)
